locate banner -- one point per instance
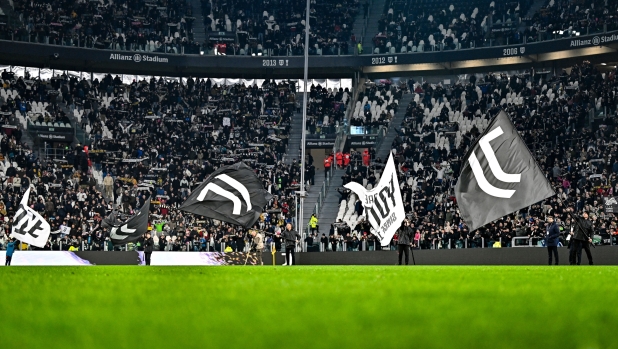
(383, 204)
(611, 205)
(499, 176)
(29, 226)
(130, 230)
(233, 194)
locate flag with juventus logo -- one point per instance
(231, 194)
(499, 176)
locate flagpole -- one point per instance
(303, 130)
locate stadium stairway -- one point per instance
(330, 206)
(376, 8)
(385, 147)
(296, 124)
(199, 31)
(312, 198)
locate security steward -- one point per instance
(552, 235)
(257, 246)
(405, 237)
(290, 236)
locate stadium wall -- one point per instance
(602, 255)
(149, 63)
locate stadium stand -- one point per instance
(552, 116)
(146, 26)
(376, 106)
(140, 137)
(421, 25)
(326, 109)
(572, 18)
(276, 28)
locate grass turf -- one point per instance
(300, 307)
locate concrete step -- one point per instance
(385, 146)
(293, 151)
(376, 9)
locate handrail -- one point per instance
(522, 238)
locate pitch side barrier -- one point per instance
(603, 255)
(149, 63)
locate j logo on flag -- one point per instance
(494, 166)
(500, 177)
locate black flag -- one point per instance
(233, 194)
(498, 176)
(129, 230)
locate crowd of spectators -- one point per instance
(377, 105)
(142, 25)
(553, 115)
(152, 139)
(420, 25)
(572, 18)
(277, 27)
(438, 25)
(326, 109)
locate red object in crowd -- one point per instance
(339, 159)
(366, 157)
(327, 162)
(346, 159)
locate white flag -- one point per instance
(29, 226)
(383, 204)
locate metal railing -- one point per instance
(381, 136)
(529, 244)
(54, 153)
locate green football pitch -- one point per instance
(308, 307)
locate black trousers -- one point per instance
(405, 249)
(576, 251)
(554, 250)
(8, 260)
(147, 257)
(289, 255)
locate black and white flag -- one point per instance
(498, 176)
(232, 194)
(383, 205)
(611, 204)
(129, 230)
(29, 226)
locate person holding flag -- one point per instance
(290, 236)
(257, 245)
(581, 238)
(405, 235)
(148, 247)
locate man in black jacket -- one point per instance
(552, 235)
(148, 246)
(405, 237)
(581, 236)
(290, 236)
